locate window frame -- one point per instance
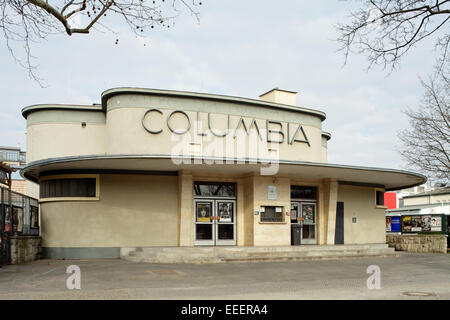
(73, 176)
(12, 156)
(379, 206)
(213, 183)
(282, 215)
(304, 187)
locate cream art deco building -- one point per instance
(159, 168)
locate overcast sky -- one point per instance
(239, 48)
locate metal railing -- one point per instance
(19, 215)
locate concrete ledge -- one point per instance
(422, 243)
(25, 249)
(199, 255)
(81, 253)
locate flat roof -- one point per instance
(416, 207)
(10, 148)
(390, 179)
(207, 96)
(171, 93)
(327, 135)
(429, 193)
(278, 89)
(40, 107)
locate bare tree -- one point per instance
(385, 30)
(426, 145)
(29, 21)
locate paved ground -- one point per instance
(426, 276)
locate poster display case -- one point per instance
(430, 223)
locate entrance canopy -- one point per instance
(390, 179)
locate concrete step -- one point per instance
(254, 254)
(310, 258)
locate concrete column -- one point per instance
(322, 216)
(330, 188)
(185, 209)
(240, 214)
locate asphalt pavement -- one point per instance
(410, 276)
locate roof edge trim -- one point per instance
(130, 90)
(43, 162)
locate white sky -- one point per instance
(240, 48)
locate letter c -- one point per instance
(143, 121)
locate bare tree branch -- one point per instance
(385, 30)
(426, 145)
(30, 21)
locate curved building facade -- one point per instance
(163, 168)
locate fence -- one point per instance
(19, 216)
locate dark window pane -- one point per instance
(52, 188)
(203, 231)
(308, 232)
(226, 231)
(301, 192)
(91, 188)
(270, 214)
(56, 188)
(380, 198)
(215, 189)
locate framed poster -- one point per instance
(416, 223)
(7, 218)
(34, 221)
(204, 211)
(18, 214)
(436, 223)
(272, 193)
(426, 223)
(308, 213)
(406, 224)
(388, 224)
(395, 224)
(225, 211)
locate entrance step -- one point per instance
(201, 255)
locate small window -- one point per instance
(74, 187)
(215, 189)
(271, 214)
(379, 198)
(301, 192)
(12, 156)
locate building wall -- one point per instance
(127, 135)
(133, 211)
(426, 199)
(147, 210)
(19, 186)
(390, 200)
(359, 202)
(56, 133)
(271, 233)
(324, 149)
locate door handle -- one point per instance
(211, 218)
(218, 218)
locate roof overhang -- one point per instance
(390, 179)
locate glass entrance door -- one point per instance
(215, 222)
(303, 215)
(308, 217)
